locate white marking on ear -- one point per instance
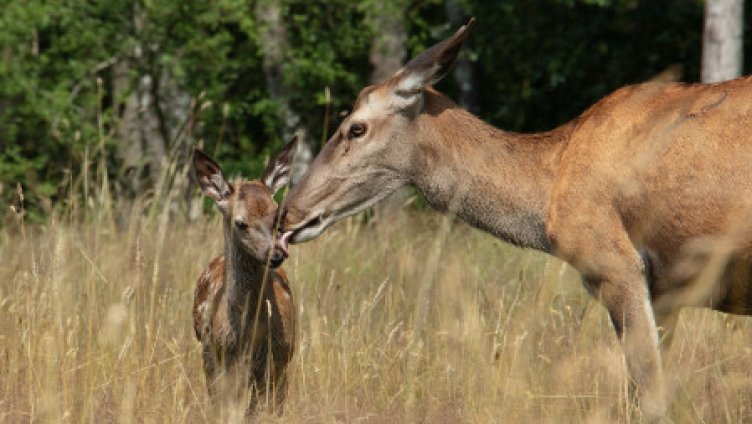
(218, 180)
(379, 104)
(278, 177)
(277, 172)
(411, 82)
(210, 178)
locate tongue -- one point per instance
(283, 243)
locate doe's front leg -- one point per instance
(629, 308)
(614, 273)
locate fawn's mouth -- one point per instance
(278, 256)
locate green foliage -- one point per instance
(48, 95)
(538, 64)
(552, 59)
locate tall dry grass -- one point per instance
(413, 319)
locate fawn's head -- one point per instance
(248, 207)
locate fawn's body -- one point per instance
(237, 343)
(243, 312)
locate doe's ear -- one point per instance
(432, 65)
(277, 172)
(209, 177)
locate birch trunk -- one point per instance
(388, 45)
(722, 40)
(129, 148)
(152, 110)
(387, 54)
(141, 144)
(274, 45)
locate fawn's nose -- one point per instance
(276, 259)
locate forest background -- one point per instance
(121, 89)
(407, 316)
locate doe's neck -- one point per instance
(495, 180)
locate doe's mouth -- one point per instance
(305, 231)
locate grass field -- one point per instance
(415, 318)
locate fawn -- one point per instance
(243, 311)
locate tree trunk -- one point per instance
(129, 149)
(149, 127)
(722, 40)
(274, 45)
(141, 142)
(465, 72)
(388, 45)
(388, 51)
(152, 110)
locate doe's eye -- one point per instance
(241, 225)
(357, 129)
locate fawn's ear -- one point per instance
(210, 177)
(277, 172)
(432, 65)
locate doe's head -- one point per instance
(371, 153)
(248, 207)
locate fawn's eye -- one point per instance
(357, 129)
(242, 226)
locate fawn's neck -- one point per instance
(244, 284)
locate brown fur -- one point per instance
(243, 313)
(214, 330)
(648, 193)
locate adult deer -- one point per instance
(639, 193)
(243, 311)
